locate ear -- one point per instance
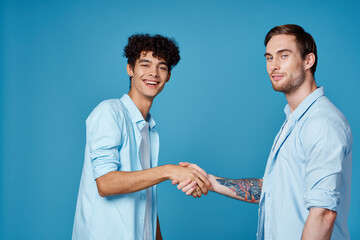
(309, 60)
(130, 70)
(169, 75)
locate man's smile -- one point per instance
(151, 83)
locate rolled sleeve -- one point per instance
(103, 133)
(321, 196)
(325, 147)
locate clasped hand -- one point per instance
(194, 187)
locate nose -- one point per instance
(274, 65)
(153, 71)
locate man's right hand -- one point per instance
(189, 176)
(191, 187)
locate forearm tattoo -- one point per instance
(249, 189)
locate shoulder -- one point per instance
(323, 121)
(110, 108)
(324, 113)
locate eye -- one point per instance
(163, 67)
(269, 58)
(144, 65)
(284, 56)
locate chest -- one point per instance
(139, 149)
(286, 163)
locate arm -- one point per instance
(247, 190)
(319, 224)
(158, 232)
(104, 133)
(120, 182)
(326, 145)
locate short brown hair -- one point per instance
(304, 40)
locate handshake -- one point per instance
(192, 179)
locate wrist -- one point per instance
(168, 171)
(212, 180)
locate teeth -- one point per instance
(150, 82)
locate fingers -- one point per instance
(184, 183)
(184, 164)
(189, 177)
(189, 192)
(195, 194)
(200, 179)
(203, 183)
(190, 186)
(198, 191)
(202, 171)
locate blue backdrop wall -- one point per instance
(59, 59)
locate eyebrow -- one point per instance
(279, 51)
(148, 61)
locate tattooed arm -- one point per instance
(247, 189)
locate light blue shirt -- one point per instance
(310, 167)
(113, 137)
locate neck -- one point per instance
(142, 103)
(295, 97)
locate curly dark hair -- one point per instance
(160, 46)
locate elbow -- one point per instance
(329, 217)
(101, 187)
(102, 193)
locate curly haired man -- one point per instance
(117, 195)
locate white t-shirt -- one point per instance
(146, 163)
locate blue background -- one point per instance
(59, 59)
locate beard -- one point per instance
(290, 84)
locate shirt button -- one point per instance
(142, 197)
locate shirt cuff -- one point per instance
(322, 198)
(102, 169)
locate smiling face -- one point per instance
(148, 76)
(285, 66)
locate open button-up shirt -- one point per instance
(113, 137)
(309, 167)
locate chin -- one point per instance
(286, 89)
(278, 88)
(151, 95)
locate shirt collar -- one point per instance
(305, 104)
(135, 113)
